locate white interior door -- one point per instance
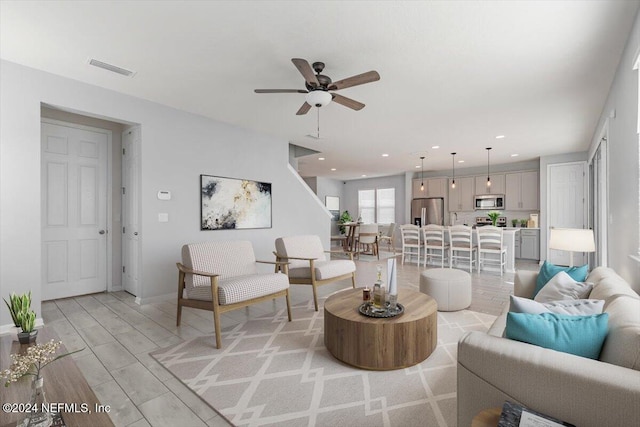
(567, 206)
(130, 210)
(74, 210)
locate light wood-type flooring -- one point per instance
(118, 334)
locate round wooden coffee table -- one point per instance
(380, 343)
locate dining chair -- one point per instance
(491, 242)
(368, 238)
(461, 242)
(410, 241)
(389, 237)
(434, 243)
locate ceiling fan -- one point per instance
(318, 86)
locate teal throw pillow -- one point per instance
(548, 270)
(579, 335)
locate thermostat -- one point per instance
(164, 195)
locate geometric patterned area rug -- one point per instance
(271, 372)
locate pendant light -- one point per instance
(422, 173)
(488, 175)
(453, 164)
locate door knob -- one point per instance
(101, 232)
(135, 233)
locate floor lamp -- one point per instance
(572, 240)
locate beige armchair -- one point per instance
(308, 264)
(222, 276)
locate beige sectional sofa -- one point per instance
(584, 392)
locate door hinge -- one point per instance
(124, 151)
(123, 268)
(123, 230)
(124, 191)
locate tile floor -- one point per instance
(118, 334)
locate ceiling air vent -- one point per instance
(112, 68)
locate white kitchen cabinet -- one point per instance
(522, 191)
(433, 187)
(530, 244)
(497, 184)
(461, 197)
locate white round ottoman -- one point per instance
(449, 287)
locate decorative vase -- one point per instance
(27, 337)
(39, 416)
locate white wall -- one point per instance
(176, 148)
(331, 187)
(623, 163)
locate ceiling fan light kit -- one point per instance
(318, 98)
(318, 86)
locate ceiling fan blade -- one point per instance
(347, 102)
(307, 72)
(304, 109)
(360, 79)
(280, 91)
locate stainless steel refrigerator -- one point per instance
(427, 211)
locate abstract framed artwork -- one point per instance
(230, 203)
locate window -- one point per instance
(377, 206)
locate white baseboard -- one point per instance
(11, 329)
(157, 298)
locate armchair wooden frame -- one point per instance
(214, 304)
(284, 266)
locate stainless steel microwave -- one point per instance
(488, 201)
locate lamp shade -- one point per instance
(318, 98)
(572, 240)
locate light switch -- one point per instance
(164, 195)
(163, 217)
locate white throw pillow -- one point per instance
(563, 287)
(577, 307)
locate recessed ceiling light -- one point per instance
(385, 155)
(499, 136)
(460, 161)
(514, 155)
(320, 158)
(417, 166)
(435, 147)
(333, 169)
(364, 176)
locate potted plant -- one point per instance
(17, 305)
(494, 217)
(27, 323)
(514, 223)
(345, 217)
(523, 223)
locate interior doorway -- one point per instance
(566, 205)
(95, 254)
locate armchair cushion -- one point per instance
(242, 288)
(235, 264)
(324, 269)
(300, 247)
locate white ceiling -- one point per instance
(453, 74)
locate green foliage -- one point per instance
(345, 217)
(19, 304)
(27, 320)
(494, 216)
(514, 222)
(523, 222)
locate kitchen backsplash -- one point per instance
(469, 218)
